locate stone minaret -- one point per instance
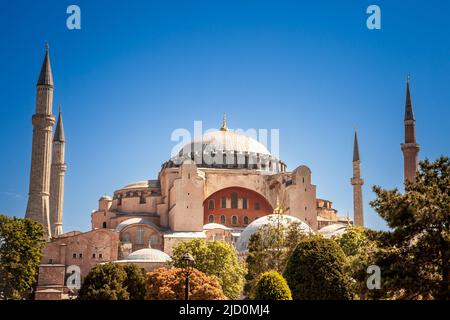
(357, 183)
(38, 196)
(410, 148)
(58, 171)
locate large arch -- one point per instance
(235, 207)
(217, 181)
(141, 236)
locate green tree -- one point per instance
(352, 240)
(21, 244)
(214, 258)
(270, 248)
(359, 248)
(271, 286)
(169, 284)
(316, 271)
(135, 281)
(414, 256)
(105, 282)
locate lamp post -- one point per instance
(187, 262)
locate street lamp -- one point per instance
(187, 262)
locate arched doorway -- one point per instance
(235, 207)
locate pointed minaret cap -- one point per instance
(409, 114)
(46, 77)
(224, 123)
(355, 148)
(59, 131)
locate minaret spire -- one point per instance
(38, 207)
(46, 76)
(224, 123)
(355, 148)
(58, 171)
(410, 148)
(59, 131)
(357, 182)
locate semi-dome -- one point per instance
(132, 221)
(333, 230)
(149, 255)
(271, 219)
(142, 184)
(212, 226)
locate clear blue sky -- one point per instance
(137, 70)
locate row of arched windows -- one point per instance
(234, 203)
(234, 219)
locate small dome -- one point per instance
(333, 230)
(149, 255)
(211, 226)
(105, 198)
(272, 219)
(142, 184)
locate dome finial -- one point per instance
(278, 208)
(224, 123)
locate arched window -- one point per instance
(211, 204)
(142, 199)
(234, 220)
(222, 219)
(104, 225)
(119, 201)
(140, 236)
(126, 237)
(210, 218)
(224, 202)
(257, 206)
(234, 200)
(153, 240)
(245, 220)
(244, 203)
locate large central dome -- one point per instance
(225, 149)
(225, 141)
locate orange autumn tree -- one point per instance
(168, 284)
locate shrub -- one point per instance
(271, 286)
(169, 284)
(316, 271)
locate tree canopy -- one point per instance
(21, 244)
(135, 281)
(316, 271)
(112, 281)
(270, 248)
(414, 256)
(169, 284)
(214, 258)
(271, 286)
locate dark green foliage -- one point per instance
(104, 282)
(135, 281)
(271, 286)
(316, 271)
(415, 256)
(21, 243)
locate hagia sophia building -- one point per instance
(223, 185)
